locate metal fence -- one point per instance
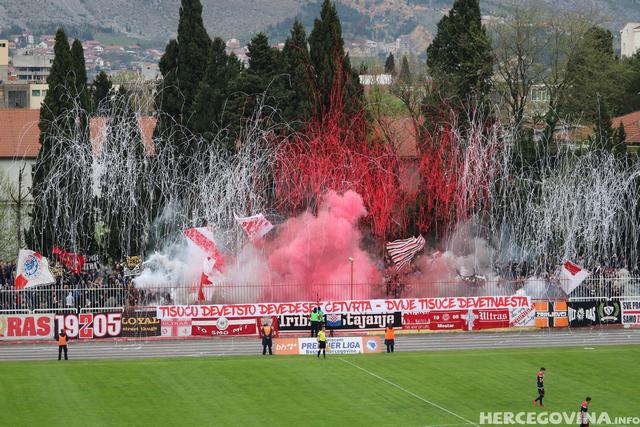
(52, 299)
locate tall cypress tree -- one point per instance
(405, 77)
(101, 93)
(390, 65)
(193, 48)
(257, 81)
(124, 204)
(61, 185)
(296, 67)
(209, 105)
(80, 74)
(460, 59)
(334, 77)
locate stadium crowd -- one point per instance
(103, 286)
(112, 286)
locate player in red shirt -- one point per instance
(540, 383)
(584, 407)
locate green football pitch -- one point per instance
(401, 389)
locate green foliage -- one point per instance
(101, 92)
(390, 65)
(253, 390)
(193, 49)
(334, 79)
(59, 126)
(125, 217)
(79, 70)
(219, 79)
(597, 78)
(607, 138)
(405, 77)
(296, 71)
(169, 100)
(460, 59)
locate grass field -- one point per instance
(399, 389)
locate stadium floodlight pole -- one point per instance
(351, 282)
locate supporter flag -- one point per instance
(403, 251)
(255, 226)
(571, 275)
(202, 239)
(32, 270)
(71, 260)
(334, 320)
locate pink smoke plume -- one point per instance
(314, 250)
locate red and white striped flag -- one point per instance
(403, 251)
(255, 226)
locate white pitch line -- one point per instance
(435, 405)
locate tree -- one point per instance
(563, 33)
(596, 77)
(518, 45)
(124, 203)
(61, 185)
(193, 48)
(405, 76)
(79, 71)
(101, 93)
(254, 85)
(296, 64)
(620, 141)
(335, 81)
(390, 65)
(183, 66)
(460, 58)
(17, 194)
(169, 100)
(214, 89)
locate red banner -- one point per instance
(71, 260)
(229, 327)
(457, 320)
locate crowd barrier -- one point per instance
(468, 313)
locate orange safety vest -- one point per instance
(62, 340)
(389, 333)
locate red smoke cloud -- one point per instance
(314, 250)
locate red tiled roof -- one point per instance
(631, 124)
(19, 133)
(146, 124)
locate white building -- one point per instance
(630, 39)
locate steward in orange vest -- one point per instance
(389, 335)
(267, 334)
(62, 345)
